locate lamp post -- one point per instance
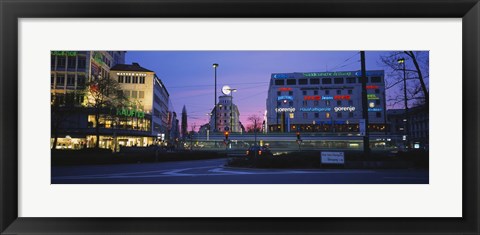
(405, 120)
(231, 107)
(215, 98)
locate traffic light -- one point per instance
(298, 135)
(226, 135)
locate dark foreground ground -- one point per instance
(213, 171)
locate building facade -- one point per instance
(71, 70)
(324, 102)
(141, 121)
(228, 115)
(414, 125)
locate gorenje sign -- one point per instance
(130, 113)
(281, 110)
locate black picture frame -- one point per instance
(12, 10)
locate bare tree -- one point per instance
(62, 106)
(103, 95)
(255, 123)
(416, 73)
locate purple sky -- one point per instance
(189, 75)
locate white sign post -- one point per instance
(332, 157)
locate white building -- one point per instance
(227, 115)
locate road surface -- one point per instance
(214, 172)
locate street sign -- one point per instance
(361, 124)
(226, 128)
(332, 157)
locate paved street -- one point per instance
(214, 172)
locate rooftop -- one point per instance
(129, 67)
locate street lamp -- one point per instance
(215, 98)
(402, 61)
(231, 107)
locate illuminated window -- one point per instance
(327, 115)
(292, 115)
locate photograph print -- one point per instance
(239, 117)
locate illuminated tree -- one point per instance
(103, 95)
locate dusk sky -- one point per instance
(189, 75)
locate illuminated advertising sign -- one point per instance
(369, 73)
(375, 109)
(311, 97)
(344, 109)
(279, 75)
(285, 97)
(327, 74)
(130, 113)
(341, 97)
(372, 97)
(64, 53)
(284, 89)
(315, 109)
(371, 87)
(281, 110)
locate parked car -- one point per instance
(259, 150)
